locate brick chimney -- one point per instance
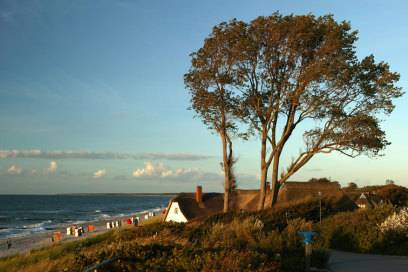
(199, 194)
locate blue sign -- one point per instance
(307, 236)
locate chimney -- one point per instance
(199, 194)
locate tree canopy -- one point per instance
(278, 72)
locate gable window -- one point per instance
(176, 210)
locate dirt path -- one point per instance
(348, 262)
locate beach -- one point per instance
(24, 244)
(28, 221)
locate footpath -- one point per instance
(349, 262)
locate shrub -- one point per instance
(357, 231)
(290, 235)
(392, 243)
(397, 222)
(293, 260)
(237, 234)
(159, 257)
(320, 258)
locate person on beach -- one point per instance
(8, 244)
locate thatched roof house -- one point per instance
(368, 200)
(187, 206)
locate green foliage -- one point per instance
(359, 232)
(285, 70)
(320, 180)
(392, 243)
(396, 195)
(172, 257)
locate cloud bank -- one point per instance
(72, 154)
(160, 170)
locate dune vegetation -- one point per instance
(267, 240)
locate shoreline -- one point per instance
(24, 244)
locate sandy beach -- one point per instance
(24, 244)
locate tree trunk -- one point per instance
(264, 173)
(275, 172)
(227, 170)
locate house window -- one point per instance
(176, 210)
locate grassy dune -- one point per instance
(251, 241)
(63, 255)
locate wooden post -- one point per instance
(308, 240)
(308, 256)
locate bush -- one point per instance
(293, 260)
(360, 231)
(397, 222)
(320, 258)
(237, 234)
(392, 243)
(159, 257)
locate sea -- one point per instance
(23, 215)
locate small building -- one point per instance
(368, 200)
(187, 206)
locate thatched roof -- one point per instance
(247, 200)
(292, 191)
(212, 204)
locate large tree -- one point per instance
(302, 73)
(210, 81)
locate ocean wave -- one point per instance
(37, 225)
(50, 211)
(12, 232)
(79, 222)
(3, 230)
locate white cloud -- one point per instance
(52, 168)
(14, 170)
(150, 169)
(160, 171)
(100, 173)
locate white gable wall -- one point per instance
(175, 214)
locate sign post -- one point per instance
(307, 240)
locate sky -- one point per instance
(92, 97)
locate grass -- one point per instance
(44, 258)
(152, 220)
(253, 241)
